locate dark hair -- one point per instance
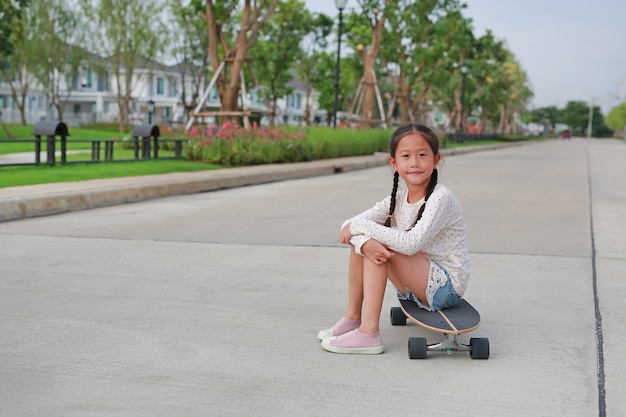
(433, 142)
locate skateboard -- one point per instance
(460, 319)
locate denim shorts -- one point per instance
(445, 296)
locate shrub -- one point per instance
(231, 145)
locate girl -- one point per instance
(415, 238)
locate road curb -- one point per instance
(48, 199)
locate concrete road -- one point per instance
(210, 304)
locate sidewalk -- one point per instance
(47, 199)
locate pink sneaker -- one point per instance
(344, 325)
(355, 342)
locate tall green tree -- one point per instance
(320, 75)
(515, 96)
(190, 50)
(130, 35)
(616, 119)
(576, 116)
(14, 52)
(365, 30)
(277, 49)
(542, 115)
(55, 32)
(409, 34)
(312, 62)
(488, 82)
(232, 27)
(11, 23)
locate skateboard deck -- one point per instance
(462, 318)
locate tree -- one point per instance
(515, 95)
(11, 23)
(312, 62)
(368, 28)
(54, 33)
(191, 51)
(489, 81)
(129, 35)
(542, 115)
(409, 35)
(616, 119)
(14, 52)
(278, 48)
(576, 116)
(232, 48)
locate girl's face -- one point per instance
(414, 160)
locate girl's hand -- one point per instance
(376, 252)
(345, 235)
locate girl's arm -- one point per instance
(377, 214)
(441, 210)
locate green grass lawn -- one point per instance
(29, 175)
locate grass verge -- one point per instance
(29, 175)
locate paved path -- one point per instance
(209, 304)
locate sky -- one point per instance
(570, 49)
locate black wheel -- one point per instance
(480, 348)
(397, 316)
(418, 348)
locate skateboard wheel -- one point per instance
(398, 318)
(480, 348)
(418, 348)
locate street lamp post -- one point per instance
(341, 4)
(463, 75)
(150, 110)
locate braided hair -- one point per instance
(433, 141)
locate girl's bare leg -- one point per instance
(374, 283)
(410, 272)
(355, 285)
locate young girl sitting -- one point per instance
(416, 238)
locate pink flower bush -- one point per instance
(230, 144)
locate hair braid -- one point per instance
(429, 190)
(392, 206)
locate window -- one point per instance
(76, 108)
(160, 86)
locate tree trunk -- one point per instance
(229, 82)
(457, 111)
(307, 107)
(403, 98)
(368, 111)
(502, 123)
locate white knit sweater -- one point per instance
(440, 234)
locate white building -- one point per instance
(93, 98)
